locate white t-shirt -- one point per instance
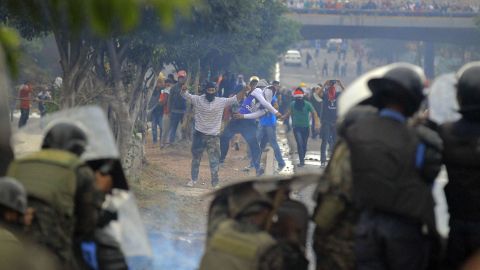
(208, 115)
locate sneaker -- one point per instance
(215, 185)
(323, 164)
(301, 164)
(248, 168)
(191, 183)
(281, 166)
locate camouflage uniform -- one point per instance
(61, 190)
(334, 215)
(234, 242)
(212, 144)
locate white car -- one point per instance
(293, 57)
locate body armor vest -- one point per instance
(230, 248)
(385, 178)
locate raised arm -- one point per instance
(253, 115)
(185, 94)
(259, 96)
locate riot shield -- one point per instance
(358, 91)
(128, 229)
(101, 149)
(442, 100)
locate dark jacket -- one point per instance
(176, 103)
(154, 106)
(385, 177)
(461, 156)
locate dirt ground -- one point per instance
(166, 203)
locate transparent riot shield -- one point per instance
(358, 91)
(128, 229)
(442, 100)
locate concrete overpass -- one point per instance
(430, 29)
(433, 28)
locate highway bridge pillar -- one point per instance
(429, 60)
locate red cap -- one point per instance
(181, 73)
(298, 93)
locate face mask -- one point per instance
(210, 96)
(299, 102)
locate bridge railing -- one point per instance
(366, 12)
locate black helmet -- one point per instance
(402, 84)
(66, 137)
(12, 195)
(468, 88)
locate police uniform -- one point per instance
(61, 190)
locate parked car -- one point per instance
(293, 57)
(333, 44)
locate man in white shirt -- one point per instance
(208, 112)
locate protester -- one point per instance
(42, 97)
(336, 68)
(325, 68)
(301, 110)
(164, 97)
(308, 59)
(61, 190)
(208, 110)
(285, 99)
(156, 109)
(239, 85)
(246, 125)
(461, 156)
(176, 105)
(317, 101)
(328, 117)
(267, 125)
(25, 97)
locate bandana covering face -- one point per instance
(332, 95)
(210, 96)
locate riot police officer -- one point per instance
(61, 190)
(242, 234)
(394, 200)
(462, 159)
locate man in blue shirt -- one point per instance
(268, 133)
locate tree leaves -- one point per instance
(10, 43)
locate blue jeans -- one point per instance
(301, 137)
(328, 134)
(248, 129)
(156, 122)
(269, 134)
(175, 119)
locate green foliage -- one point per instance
(10, 43)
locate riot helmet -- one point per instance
(245, 200)
(65, 136)
(402, 85)
(468, 88)
(13, 195)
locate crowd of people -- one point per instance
(231, 107)
(388, 6)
